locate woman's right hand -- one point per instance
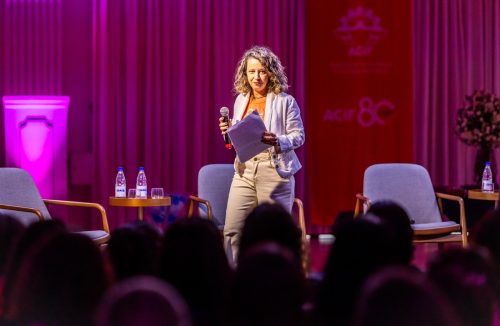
(223, 125)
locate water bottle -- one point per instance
(487, 184)
(120, 183)
(142, 184)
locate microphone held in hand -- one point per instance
(224, 113)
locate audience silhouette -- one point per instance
(31, 238)
(134, 249)
(402, 296)
(465, 277)
(361, 247)
(10, 232)
(52, 277)
(145, 301)
(193, 260)
(269, 287)
(59, 282)
(486, 235)
(397, 222)
(271, 222)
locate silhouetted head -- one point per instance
(271, 223)
(143, 300)
(194, 262)
(486, 234)
(34, 236)
(59, 283)
(10, 231)
(361, 247)
(402, 296)
(397, 221)
(465, 277)
(269, 287)
(134, 249)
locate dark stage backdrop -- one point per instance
(359, 95)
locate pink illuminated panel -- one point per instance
(36, 140)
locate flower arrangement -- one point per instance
(478, 123)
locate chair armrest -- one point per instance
(360, 199)
(303, 229)
(82, 204)
(24, 209)
(460, 200)
(302, 220)
(195, 199)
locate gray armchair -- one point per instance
(214, 182)
(20, 198)
(410, 186)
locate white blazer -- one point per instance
(281, 117)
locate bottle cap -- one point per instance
(487, 162)
(120, 168)
(141, 168)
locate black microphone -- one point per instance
(224, 113)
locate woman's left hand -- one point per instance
(269, 138)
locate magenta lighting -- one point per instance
(36, 140)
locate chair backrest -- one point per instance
(214, 182)
(18, 188)
(409, 185)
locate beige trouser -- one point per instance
(254, 183)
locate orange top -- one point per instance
(256, 104)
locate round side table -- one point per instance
(140, 203)
(479, 195)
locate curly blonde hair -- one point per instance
(278, 82)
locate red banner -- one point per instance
(359, 97)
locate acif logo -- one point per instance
(360, 29)
(368, 113)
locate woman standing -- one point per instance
(261, 84)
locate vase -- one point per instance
(484, 154)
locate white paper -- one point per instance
(246, 136)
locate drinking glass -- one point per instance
(132, 193)
(156, 193)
